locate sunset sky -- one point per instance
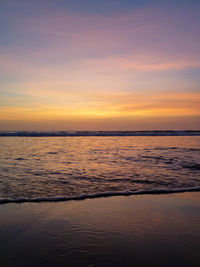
(99, 65)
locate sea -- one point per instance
(54, 166)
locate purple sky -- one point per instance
(99, 65)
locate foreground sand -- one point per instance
(148, 230)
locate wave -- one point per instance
(99, 133)
(192, 166)
(101, 195)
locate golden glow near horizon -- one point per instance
(85, 70)
(124, 106)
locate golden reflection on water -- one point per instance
(72, 166)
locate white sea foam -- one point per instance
(101, 195)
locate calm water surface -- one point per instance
(42, 167)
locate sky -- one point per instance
(99, 65)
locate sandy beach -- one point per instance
(143, 230)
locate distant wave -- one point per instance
(98, 133)
(192, 166)
(101, 195)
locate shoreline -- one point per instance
(155, 191)
(139, 230)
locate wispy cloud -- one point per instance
(130, 64)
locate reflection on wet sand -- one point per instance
(159, 230)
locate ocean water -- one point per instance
(75, 167)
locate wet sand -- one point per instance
(143, 230)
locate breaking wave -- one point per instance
(99, 133)
(101, 195)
